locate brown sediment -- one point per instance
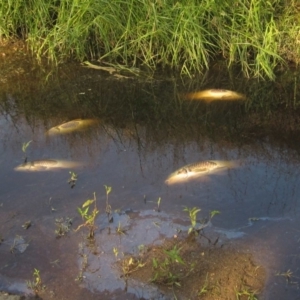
(201, 272)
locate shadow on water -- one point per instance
(146, 131)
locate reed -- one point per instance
(185, 35)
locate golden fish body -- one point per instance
(47, 165)
(198, 169)
(71, 126)
(215, 94)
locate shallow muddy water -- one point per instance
(129, 150)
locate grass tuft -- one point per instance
(184, 35)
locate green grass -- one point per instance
(183, 35)
(89, 218)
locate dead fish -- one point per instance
(47, 165)
(215, 94)
(71, 126)
(198, 169)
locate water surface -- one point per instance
(145, 132)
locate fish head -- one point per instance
(178, 176)
(27, 166)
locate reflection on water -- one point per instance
(146, 132)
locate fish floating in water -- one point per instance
(198, 169)
(71, 126)
(47, 165)
(215, 94)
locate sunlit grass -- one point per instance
(183, 35)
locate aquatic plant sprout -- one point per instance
(88, 217)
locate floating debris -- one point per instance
(19, 244)
(71, 126)
(47, 165)
(26, 225)
(114, 70)
(73, 179)
(198, 169)
(215, 94)
(63, 226)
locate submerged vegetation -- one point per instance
(183, 35)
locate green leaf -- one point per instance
(108, 189)
(213, 213)
(87, 203)
(79, 210)
(82, 212)
(25, 146)
(155, 264)
(195, 210)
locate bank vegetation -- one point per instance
(185, 36)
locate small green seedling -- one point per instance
(158, 204)
(108, 207)
(164, 270)
(246, 294)
(213, 213)
(193, 217)
(174, 255)
(73, 179)
(116, 251)
(120, 230)
(24, 148)
(142, 249)
(36, 285)
(163, 273)
(55, 262)
(204, 288)
(130, 265)
(288, 275)
(89, 218)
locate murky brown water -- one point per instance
(140, 140)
